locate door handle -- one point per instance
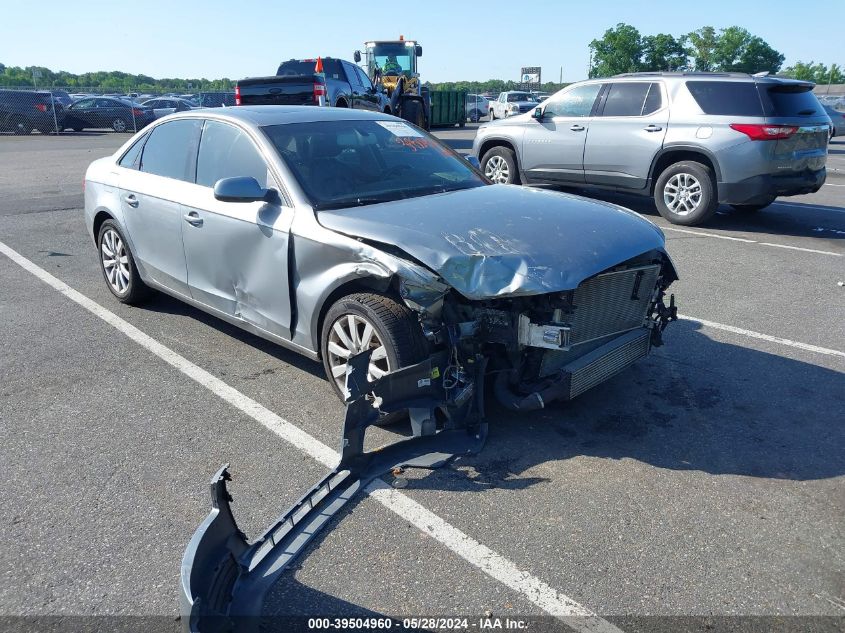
(193, 218)
(131, 200)
(653, 128)
(577, 128)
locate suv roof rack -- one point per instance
(682, 73)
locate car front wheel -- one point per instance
(364, 321)
(119, 125)
(685, 193)
(499, 165)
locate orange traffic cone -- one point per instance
(319, 67)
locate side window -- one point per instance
(130, 158)
(626, 99)
(732, 98)
(654, 99)
(577, 102)
(226, 152)
(365, 81)
(169, 150)
(105, 103)
(84, 103)
(351, 75)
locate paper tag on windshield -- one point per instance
(398, 128)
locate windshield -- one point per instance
(352, 163)
(392, 59)
(520, 96)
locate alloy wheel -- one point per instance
(682, 193)
(497, 170)
(119, 125)
(115, 260)
(351, 334)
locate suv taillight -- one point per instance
(319, 91)
(765, 132)
(41, 107)
(237, 95)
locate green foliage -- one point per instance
(622, 50)
(818, 73)
(112, 81)
(491, 85)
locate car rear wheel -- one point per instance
(119, 125)
(492, 114)
(118, 266)
(364, 321)
(686, 194)
(499, 165)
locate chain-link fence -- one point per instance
(64, 110)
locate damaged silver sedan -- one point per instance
(333, 232)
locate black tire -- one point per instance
(412, 111)
(492, 114)
(22, 126)
(752, 208)
(135, 290)
(503, 159)
(397, 328)
(707, 201)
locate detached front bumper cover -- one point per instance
(224, 578)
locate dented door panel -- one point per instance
(237, 257)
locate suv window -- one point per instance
(169, 149)
(365, 80)
(654, 99)
(626, 99)
(573, 103)
(733, 98)
(790, 100)
(226, 152)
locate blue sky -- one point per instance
(461, 40)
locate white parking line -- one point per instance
(830, 184)
(764, 337)
(750, 241)
(494, 565)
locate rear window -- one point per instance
(626, 99)
(790, 100)
(732, 98)
(331, 67)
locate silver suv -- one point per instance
(690, 140)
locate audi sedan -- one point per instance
(333, 231)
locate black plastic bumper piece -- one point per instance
(224, 578)
(762, 189)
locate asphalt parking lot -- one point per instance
(708, 480)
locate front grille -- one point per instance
(525, 108)
(606, 361)
(611, 303)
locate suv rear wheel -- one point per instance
(685, 193)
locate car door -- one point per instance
(150, 201)
(370, 96)
(106, 111)
(626, 134)
(553, 147)
(79, 113)
(237, 252)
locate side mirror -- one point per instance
(240, 189)
(472, 160)
(538, 114)
(356, 56)
(418, 50)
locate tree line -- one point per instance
(622, 49)
(113, 81)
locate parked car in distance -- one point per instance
(401, 247)
(162, 106)
(216, 99)
(107, 112)
(477, 107)
(541, 96)
(512, 103)
(342, 85)
(22, 111)
(690, 140)
(837, 121)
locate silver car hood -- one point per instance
(504, 240)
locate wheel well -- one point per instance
(101, 217)
(349, 288)
(387, 109)
(675, 156)
(488, 145)
(341, 103)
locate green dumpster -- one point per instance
(448, 108)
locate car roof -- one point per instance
(261, 115)
(704, 76)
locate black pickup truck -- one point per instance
(342, 85)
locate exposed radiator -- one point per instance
(607, 360)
